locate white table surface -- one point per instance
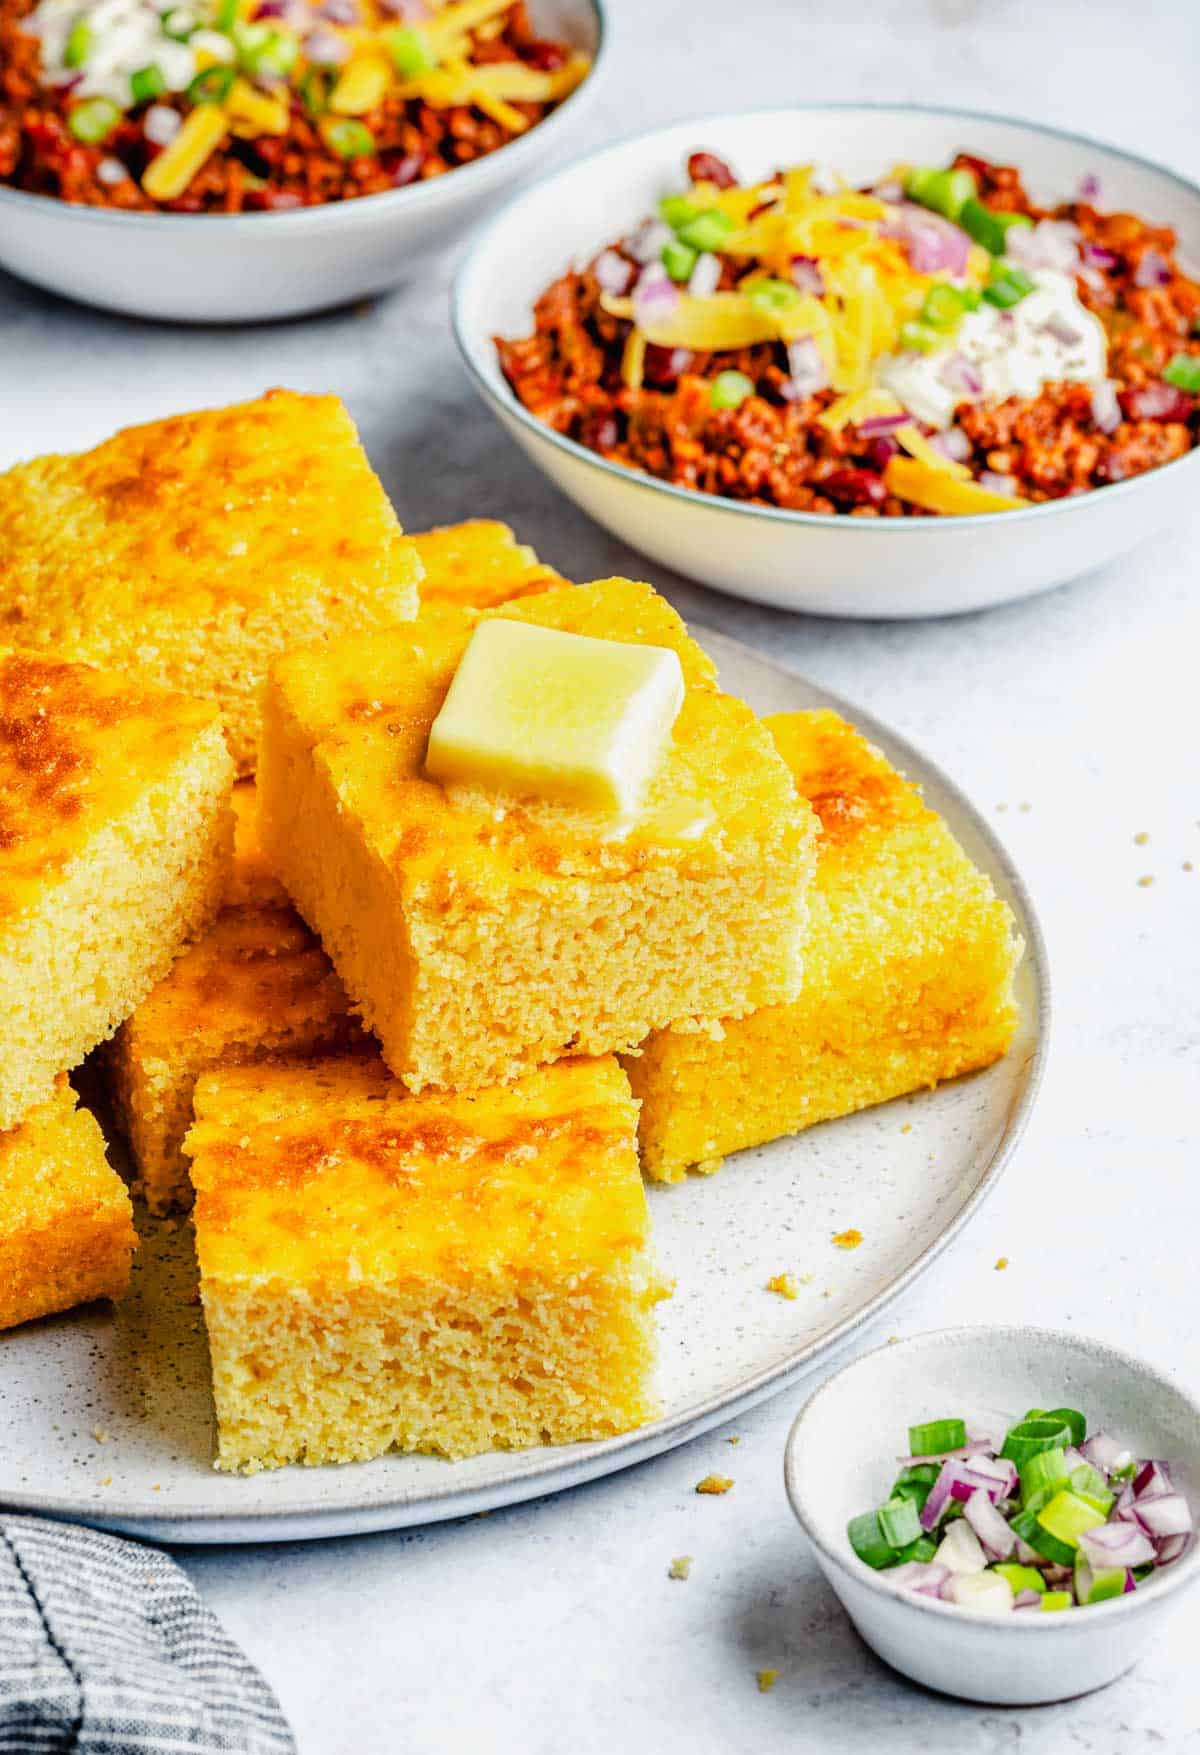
(1071, 719)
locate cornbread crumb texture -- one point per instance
(908, 973)
(452, 1274)
(681, 1567)
(66, 1224)
(714, 1485)
(766, 1680)
(784, 1284)
(481, 937)
(252, 882)
(256, 984)
(115, 843)
(479, 563)
(192, 549)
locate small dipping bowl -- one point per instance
(841, 1459)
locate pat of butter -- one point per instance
(562, 717)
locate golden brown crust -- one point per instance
(479, 563)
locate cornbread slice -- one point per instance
(252, 883)
(192, 549)
(449, 1274)
(66, 1224)
(479, 563)
(115, 839)
(480, 937)
(908, 973)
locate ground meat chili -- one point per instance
(410, 139)
(740, 423)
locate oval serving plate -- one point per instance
(107, 1416)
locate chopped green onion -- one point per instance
(919, 338)
(314, 91)
(677, 210)
(411, 51)
(1057, 1599)
(1140, 1572)
(1089, 1485)
(1028, 1437)
(946, 192)
(147, 84)
(350, 138)
(1183, 371)
(1064, 1520)
(899, 1522)
(730, 389)
(1034, 1414)
(916, 1491)
(869, 1541)
(679, 259)
(80, 40)
(1042, 1476)
(937, 1436)
(1098, 1587)
(212, 86)
(923, 1549)
(773, 295)
(707, 231)
(924, 1474)
(1007, 287)
(988, 226)
(1021, 1577)
(227, 11)
(1073, 1420)
(944, 306)
(93, 120)
(263, 49)
(179, 23)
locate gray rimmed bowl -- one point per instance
(840, 1460)
(254, 267)
(840, 566)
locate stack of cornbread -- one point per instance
(493, 889)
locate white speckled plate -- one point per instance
(106, 1416)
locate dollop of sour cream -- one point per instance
(1048, 336)
(127, 35)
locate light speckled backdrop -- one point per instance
(555, 1627)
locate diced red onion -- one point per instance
(271, 9)
(996, 483)
(1051, 243)
(110, 172)
(1152, 1480)
(958, 374)
(960, 1548)
(973, 1446)
(1097, 256)
(1168, 1514)
(924, 1577)
(646, 244)
(613, 272)
(324, 48)
(953, 443)
(339, 11)
(888, 191)
(881, 452)
(1130, 1583)
(413, 10)
(1115, 1544)
(1089, 188)
(808, 374)
(877, 425)
(1124, 1506)
(997, 1539)
(933, 245)
(1056, 1575)
(1029, 1556)
(806, 275)
(161, 124)
(996, 1473)
(1106, 412)
(705, 277)
(1061, 329)
(1027, 1599)
(1171, 1547)
(1153, 269)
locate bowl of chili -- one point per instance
(242, 160)
(862, 360)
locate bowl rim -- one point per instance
(415, 196)
(1178, 1576)
(502, 398)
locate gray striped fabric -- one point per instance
(106, 1649)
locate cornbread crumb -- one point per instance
(1145, 882)
(714, 1484)
(107, 1481)
(1001, 1263)
(446, 1273)
(1188, 866)
(907, 1128)
(734, 1438)
(1141, 839)
(784, 1284)
(681, 1567)
(480, 938)
(189, 551)
(115, 840)
(847, 1239)
(479, 563)
(99, 1434)
(908, 973)
(766, 1680)
(1024, 806)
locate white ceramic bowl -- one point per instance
(241, 268)
(894, 567)
(840, 1460)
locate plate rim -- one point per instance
(561, 1470)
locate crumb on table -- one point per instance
(1145, 882)
(1141, 838)
(714, 1484)
(847, 1239)
(681, 1567)
(1001, 1263)
(766, 1680)
(784, 1284)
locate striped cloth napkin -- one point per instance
(106, 1649)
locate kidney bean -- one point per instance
(663, 365)
(706, 167)
(546, 57)
(401, 168)
(1157, 401)
(599, 432)
(882, 450)
(854, 487)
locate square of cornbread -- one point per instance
(908, 973)
(480, 936)
(479, 563)
(66, 1224)
(191, 550)
(115, 840)
(443, 1273)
